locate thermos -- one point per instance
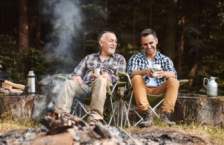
(31, 83)
(212, 87)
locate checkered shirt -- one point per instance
(110, 67)
(140, 62)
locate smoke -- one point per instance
(64, 19)
(56, 84)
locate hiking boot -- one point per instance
(147, 119)
(165, 117)
(92, 121)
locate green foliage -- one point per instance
(19, 63)
(213, 65)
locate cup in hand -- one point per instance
(155, 67)
(96, 71)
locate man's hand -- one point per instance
(78, 79)
(149, 72)
(102, 75)
(160, 73)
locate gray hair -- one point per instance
(102, 34)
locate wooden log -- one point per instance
(199, 108)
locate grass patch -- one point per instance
(9, 122)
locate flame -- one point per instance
(59, 115)
(54, 115)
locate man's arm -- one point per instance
(79, 71)
(121, 66)
(168, 71)
(166, 74)
(133, 68)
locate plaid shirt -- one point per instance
(140, 62)
(110, 66)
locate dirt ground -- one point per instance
(169, 135)
(156, 135)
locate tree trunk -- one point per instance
(23, 27)
(181, 45)
(106, 6)
(169, 49)
(38, 26)
(199, 108)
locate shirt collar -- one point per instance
(98, 54)
(156, 56)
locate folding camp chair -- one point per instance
(154, 100)
(86, 101)
(80, 102)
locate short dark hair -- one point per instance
(147, 32)
(103, 32)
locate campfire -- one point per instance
(63, 128)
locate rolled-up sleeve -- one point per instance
(120, 67)
(169, 66)
(132, 64)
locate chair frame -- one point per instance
(78, 102)
(130, 99)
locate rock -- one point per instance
(102, 131)
(58, 139)
(39, 108)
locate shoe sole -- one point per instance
(144, 125)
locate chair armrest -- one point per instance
(184, 81)
(124, 74)
(121, 84)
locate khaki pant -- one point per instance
(97, 90)
(170, 87)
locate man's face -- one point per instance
(149, 44)
(108, 44)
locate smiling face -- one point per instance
(108, 43)
(149, 43)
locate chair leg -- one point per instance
(80, 112)
(153, 109)
(122, 113)
(139, 117)
(111, 102)
(130, 101)
(82, 107)
(74, 110)
(126, 118)
(113, 112)
(105, 122)
(118, 112)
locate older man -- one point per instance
(143, 81)
(84, 83)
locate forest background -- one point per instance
(52, 36)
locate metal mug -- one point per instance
(155, 67)
(96, 71)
